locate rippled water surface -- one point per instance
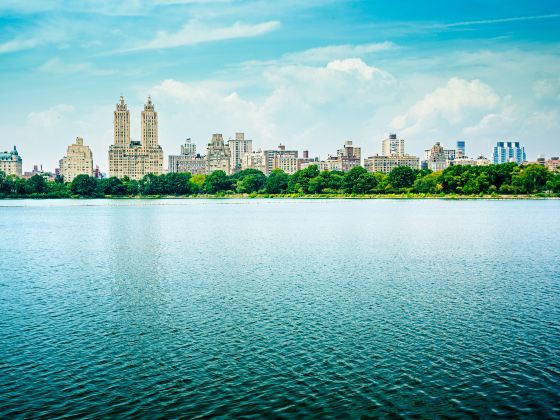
(309, 308)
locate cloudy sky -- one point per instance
(307, 73)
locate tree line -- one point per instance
(503, 179)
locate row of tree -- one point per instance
(462, 180)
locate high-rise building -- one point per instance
(505, 152)
(287, 163)
(135, 158)
(553, 164)
(346, 158)
(438, 158)
(386, 164)
(270, 155)
(393, 156)
(188, 160)
(78, 161)
(238, 148)
(11, 162)
(254, 160)
(188, 148)
(461, 150)
(218, 155)
(392, 146)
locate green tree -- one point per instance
(531, 179)
(428, 184)
(402, 177)
(177, 183)
(252, 182)
(197, 183)
(365, 184)
(299, 182)
(351, 177)
(37, 184)
(84, 186)
(217, 181)
(277, 182)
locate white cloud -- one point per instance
(315, 107)
(18, 45)
(195, 32)
(501, 20)
(457, 103)
(547, 88)
(333, 52)
(56, 66)
(50, 117)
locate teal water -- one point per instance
(283, 308)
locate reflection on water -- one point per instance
(285, 307)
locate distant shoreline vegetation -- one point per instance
(506, 180)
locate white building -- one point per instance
(254, 160)
(11, 162)
(78, 161)
(393, 156)
(135, 158)
(269, 156)
(392, 146)
(238, 148)
(218, 155)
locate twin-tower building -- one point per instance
(135, 159)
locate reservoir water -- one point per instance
(283, 308)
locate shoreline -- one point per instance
(300, 197)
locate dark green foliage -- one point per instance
(249, 181)
(277, 182)
(402, 177)
(217, 181)
(299, 182)
(84, 185)
(460, 180)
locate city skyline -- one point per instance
(280, 74)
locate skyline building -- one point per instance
(461, 148)
(130, 158)
(392, 146)
(505, 152)
(188, 160)
(438, 158)
(269, 156)
(254, 160)
(11, 162)
(218, 155)
(393, 156)
(188, 148)
(78, 161)
(238, 148)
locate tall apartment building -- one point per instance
(386, 164)
(287, 163)
(438, 158)
(188, 148)
(11, 162)
(464, 160)
(218, 155)
(238, 148)
(392, 156)
(78, 161)
(254, 160)
(553, 164)
(135, 158)
(188, 160)
(505, 152)
(461, 148)
(269, 156)
(392, 146)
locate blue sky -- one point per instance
(309, 74)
